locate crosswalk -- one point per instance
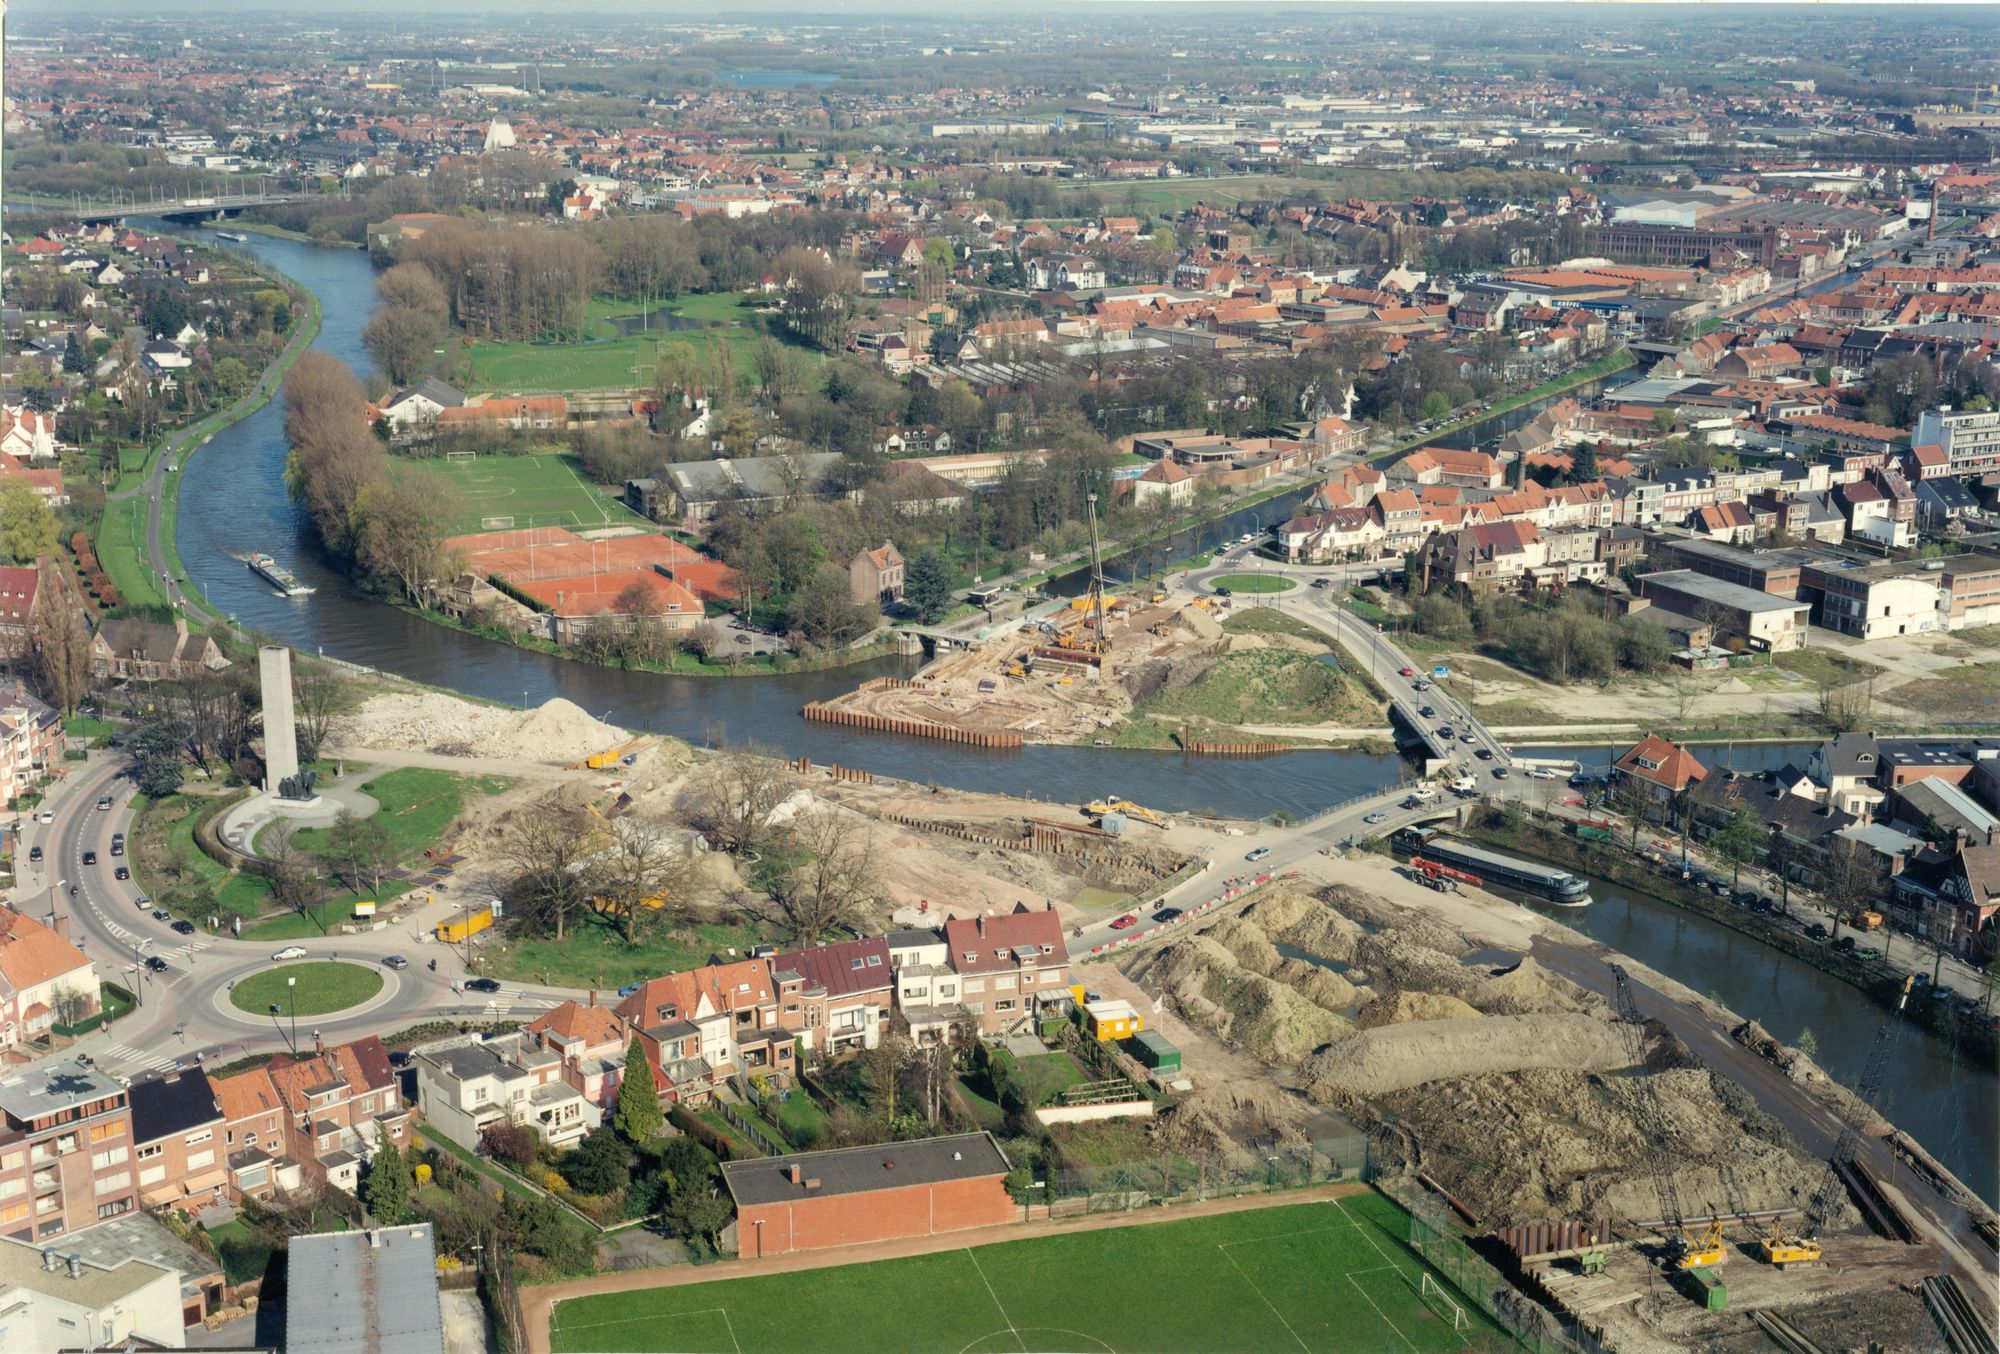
(125, 1060)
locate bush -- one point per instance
(511, 1143)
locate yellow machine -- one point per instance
(1100, 807)
(1157, 597)
(1709, 1249)
(1783, 1249)
(471, 924)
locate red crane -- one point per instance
(1437, 870)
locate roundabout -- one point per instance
(315, 988)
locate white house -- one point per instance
(27, 434)
(418, 405)
(43, 980)
(465, 1084)
(1065, 272)
(54, 1299)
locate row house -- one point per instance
(1949, 893)
(178, 1141)
(836, 997)
(1011, 967)
(703, 1026)
(65, 1150)
(312, 1120)
(1336, 534)
(44, 980)
(591, 1042)
(466, 1085)
(1449, 465)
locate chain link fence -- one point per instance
(1192, 1177)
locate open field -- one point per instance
(306, 989)
(1321, 1276)
(121, 548)
(612, 358)
(535, 490)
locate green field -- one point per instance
(1315, 1277)
(1253, 582)
(607, 360)
(121, 549)
(544, 491)
(321, 986)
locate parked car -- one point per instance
(1942, 993)
(183, 928)
(1845, 945)
(629, 989)
(161, 914)
(290, 952)
(1376, 817)
(1258, 853)
(1167, 914)
(488, 985)
(1128, 920)
(46, 816)
(396, 961)
(155, 964)
(1816, 931)
(121, 873)
(1540, 773)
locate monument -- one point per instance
(281, 734)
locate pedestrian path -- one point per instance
(134, 1062)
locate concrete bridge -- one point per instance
(195, 208)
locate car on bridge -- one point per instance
(1483, 754)
(1376, 817)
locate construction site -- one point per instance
(1544, 1106)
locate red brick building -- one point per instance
(814, 1200)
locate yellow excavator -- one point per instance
(1099, 807)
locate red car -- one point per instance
(1129, 919)
(1407, 672)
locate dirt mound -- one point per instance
(1590, 1158)
(1222, 1117)
(1295, 916)
(1396, 962)
(1404, 1007)
(1210, 988)
(558, 732)
(1526, 987)
(1393, 1058)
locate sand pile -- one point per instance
(1393, 961)
(558, 732)
(1526, 987)
(1408, 1006)
(1221, 1118)
(1212, 989)
(1294, 915)
(1394, 1058)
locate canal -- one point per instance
(233, 501)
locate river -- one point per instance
(233, 501)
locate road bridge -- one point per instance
(200, 207)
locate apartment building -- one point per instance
(44, 980)
(1874, 601)
(1011, 967)
(50, 1301)
(178, 1135)
(65, 1150)
(31, 736)
(466, 1085)
(1969, 438)
(1970, 585)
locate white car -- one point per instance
(290, 952)
(1540, 773)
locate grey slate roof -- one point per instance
(864, 1170)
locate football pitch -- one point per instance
(1320, 1278)
(485, 492)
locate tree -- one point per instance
(600, 1164)
(1844, 707)
(316, 696)
(27, 522)
(642, 877)
(638, 1116)
(74, 360)
(387, 1189)
(361, 849)
(833, 875)
(1583, 464)
(403, 342)
(927, 586)
(61, 640)
(156, 756)
(512, 1142)
(733, 796)
(400, 522)
(547, 846)
(1738, 842)
(825, 611)
(294, 880)
(695, 1210)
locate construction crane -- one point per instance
(1781, 1246)
(1439, 875)
(1096, 593)
(1685, 1251)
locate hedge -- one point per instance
(534, 604)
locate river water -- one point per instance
(233, 501)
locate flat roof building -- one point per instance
(363, 1292)
(1761, 620)
(53, 1298)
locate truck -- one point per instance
(468, 925)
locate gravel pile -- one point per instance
(558, 732)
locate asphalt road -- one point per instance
(186, 1008)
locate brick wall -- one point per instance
(882, 1215)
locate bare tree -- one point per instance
(316, 695)
(400, 523)
(642, 878)
(832, 876)
(548, 845)
(733, 796)
(1845, 707)
(361, 849)
(293, 873)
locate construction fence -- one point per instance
(1196, 1176)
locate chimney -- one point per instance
(319, 1044)
(50, 1260)
(76, 1267)
(593, 998)
(794, 1172)
(812, 1183)
(374, 1239)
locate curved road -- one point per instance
(184, 1008)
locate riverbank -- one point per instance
(1608, 365)
(1614, 862)
(683, 664)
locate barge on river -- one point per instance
(277, 575)
(1544, 881)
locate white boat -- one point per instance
(277, 575)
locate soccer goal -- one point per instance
(495, 523)
(460, 457)
(1441, 1302)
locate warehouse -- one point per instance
(1762, 621)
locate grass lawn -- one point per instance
(594, 952)
(163, 853)
(418, 804)
(1826, 667)
(1319, 1277)
(1969, 695)
(318, 920)
(121, 549)
(1253, 582)
(534, 490)
(739, 1141)
(990, 1116)
(322, 986)
(803, 1118)
(609, 361)
(1267, 686)
(1042, 1076)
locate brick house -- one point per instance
(846, 996)
(592, 1042)
(151, 651)
(314, 1119)
(41, 974)
(17, 609)
(65, 1151)
(875, 577)
(707, 1024)
(178, 1140)
(1664, 768)
(855, 1195)
(1010, 967)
